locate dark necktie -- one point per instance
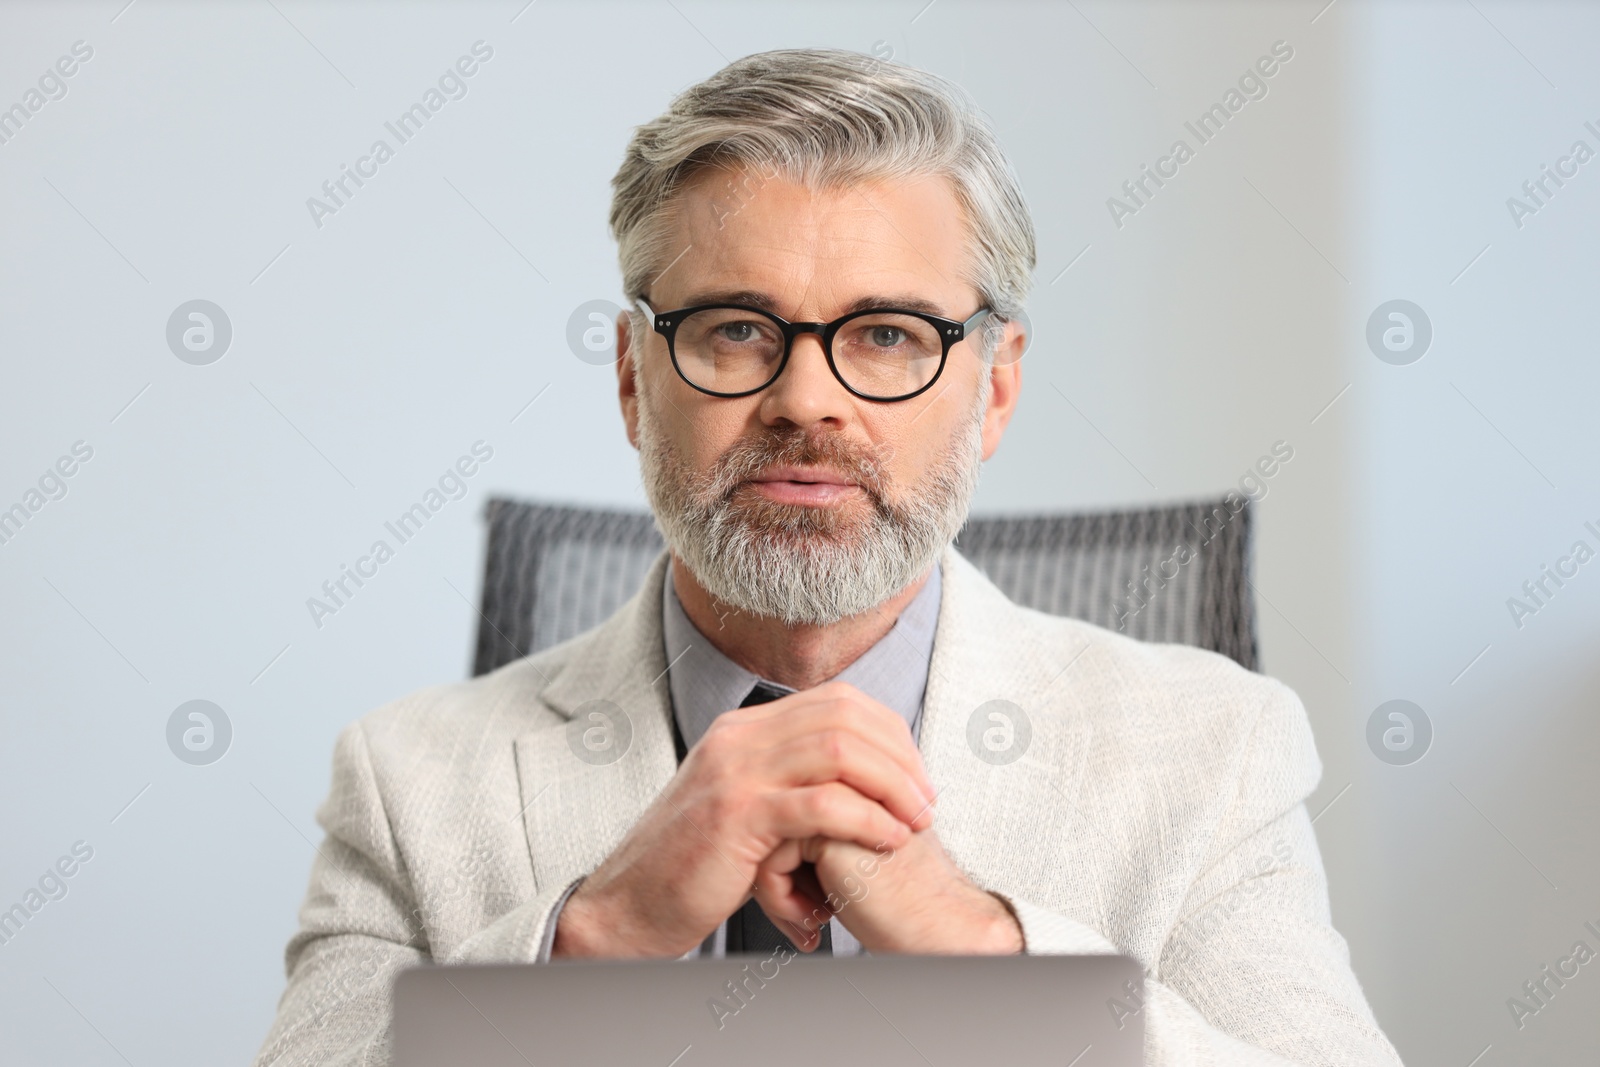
(750, 932)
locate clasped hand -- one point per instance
(818, 805)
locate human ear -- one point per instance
(1005, 382)
(627, 388)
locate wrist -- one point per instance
(598, 923)
(1005, 933)
(576, 930)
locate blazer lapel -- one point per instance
(579, 796)
(996, 804)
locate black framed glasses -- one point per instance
(885, 354)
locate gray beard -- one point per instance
(800, 564)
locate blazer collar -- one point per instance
(985, 649)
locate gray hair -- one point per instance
(827, 118)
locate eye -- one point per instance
(886, 336)
(737, 332)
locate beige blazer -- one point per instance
(1158, 811)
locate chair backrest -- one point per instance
(1171, 574)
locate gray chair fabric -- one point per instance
(551, 572)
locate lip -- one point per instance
(803, 475)
(816, 487)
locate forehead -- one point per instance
(815, 248)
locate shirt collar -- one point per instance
(705, 683)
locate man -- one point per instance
(802, 732)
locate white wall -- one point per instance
(1477, 467)
(1221, 318)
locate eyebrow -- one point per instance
(764, 301)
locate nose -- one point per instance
(806, 392)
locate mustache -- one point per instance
(750, 456)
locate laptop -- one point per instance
(885, 1011)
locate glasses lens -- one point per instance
(883, 354)
(727, 350)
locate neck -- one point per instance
(799, 656)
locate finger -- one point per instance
(842, 756)
(847, 703)
(784, 859)
(788, 906)
(799, 886)
(736, 749)
(806, 938)
(834, 706)
(811, 849)
(796, 905)
(830, 810)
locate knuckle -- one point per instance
(836, 692)
(823, 804)
(712, 742)
(835, 744)
(841, 715)
(722, 744)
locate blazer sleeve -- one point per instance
(1252, 970)
(361, 925)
